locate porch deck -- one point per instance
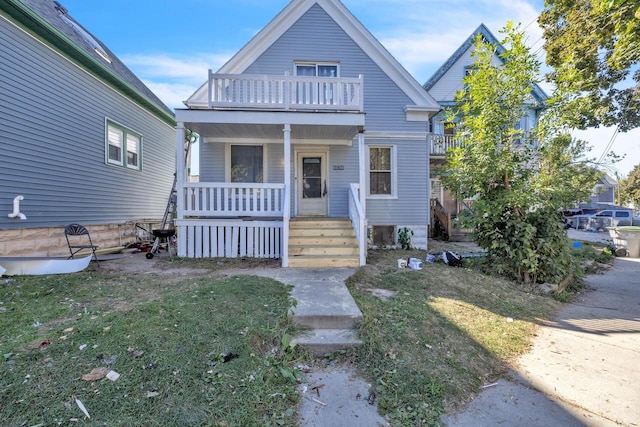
(231, 220)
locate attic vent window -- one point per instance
(97, 47)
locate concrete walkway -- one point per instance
(584, 367)
(331, 396)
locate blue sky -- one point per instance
(170, 45)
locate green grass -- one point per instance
(183, 329)
(445, 333)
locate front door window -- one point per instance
(312, 177)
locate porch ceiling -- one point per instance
(229, 132)
(215, 125)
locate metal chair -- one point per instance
(77, 230)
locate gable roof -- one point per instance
(482, 30)
(608, 181)
(51, 22)
(351, 26)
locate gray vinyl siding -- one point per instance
(316, 37)
(212, 162)
(340, 180)
(52, 143)
(411, 205)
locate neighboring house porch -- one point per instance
(275, 150)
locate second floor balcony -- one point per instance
(441, 143)
(284, 93)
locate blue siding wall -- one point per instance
(52, 143)
(411, 207)
(316, 37)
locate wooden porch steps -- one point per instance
(322, 243)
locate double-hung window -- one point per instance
(246, 163)
(123, 146)
(382, 171)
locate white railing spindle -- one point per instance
(285, 92)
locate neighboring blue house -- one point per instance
(82, 139)
(313, 145)
(443, 86)
(605, 191)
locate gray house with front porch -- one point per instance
(313, 145)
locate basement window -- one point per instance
(383, 236)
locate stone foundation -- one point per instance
(51, 241)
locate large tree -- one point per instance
(594, 49)
(629, 190)
(519, 181)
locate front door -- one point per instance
(311, 183)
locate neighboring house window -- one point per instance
(246, 163)
(382, 170)
(124, 146)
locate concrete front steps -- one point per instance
(322, 242)
(326, 307)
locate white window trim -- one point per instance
(394, 172)
(227, 161)
(126, 131)
(316, 64)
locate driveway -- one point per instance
(583, 368)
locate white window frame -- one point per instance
(127, 136)
(394, 171)
(227, 161)
(316, 64)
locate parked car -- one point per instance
(603, 219)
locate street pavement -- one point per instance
(583, 368)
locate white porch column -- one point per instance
(363, 171)
(180, 178)
(362, 244)
(287, 195)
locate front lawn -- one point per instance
(192, 352)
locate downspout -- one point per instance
(16, 208)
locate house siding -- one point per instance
(411, 206)
(451, 82)
(315, 37)
(52, 140)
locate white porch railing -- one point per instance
(358, 221)
(440, 144)
(233, 199)
(285, 92)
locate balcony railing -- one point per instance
(285, 92)
(440, 144)
(230, 199)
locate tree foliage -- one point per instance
(594, 48)
(629, 190)
(519, 181)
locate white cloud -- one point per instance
(192, 67)
(174, 78)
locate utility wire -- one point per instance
(608, 147)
